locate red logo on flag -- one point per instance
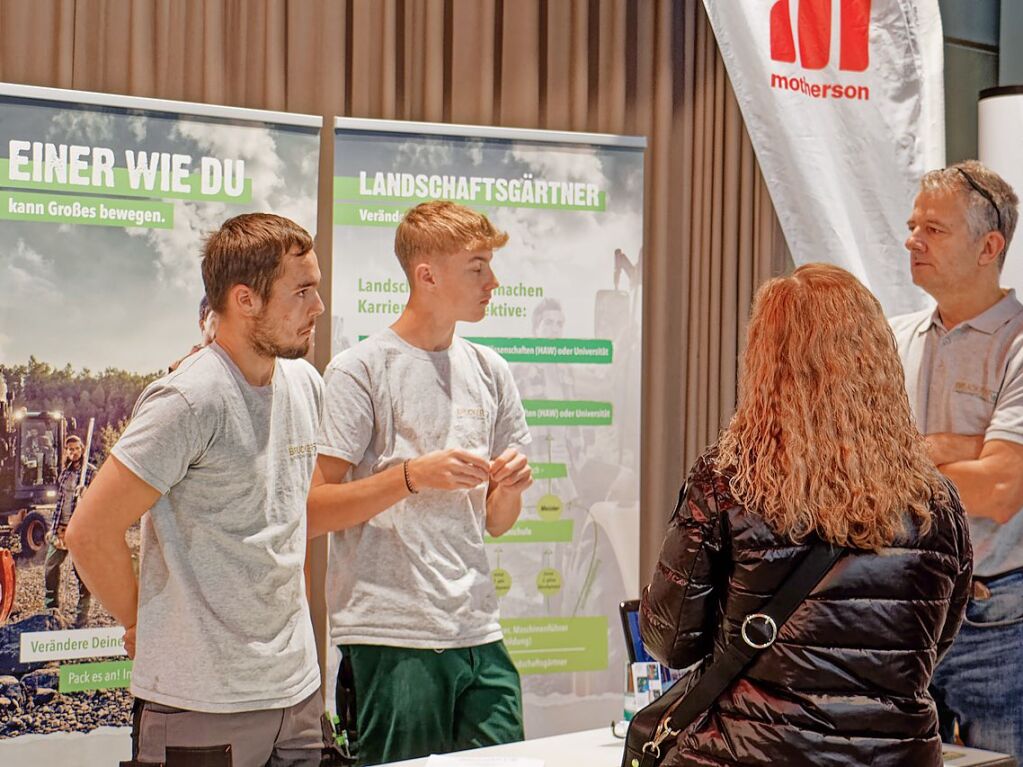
(813, 24)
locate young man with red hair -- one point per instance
(418, 459)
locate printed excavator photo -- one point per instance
(31, 455)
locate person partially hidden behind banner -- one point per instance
(216, 462)
(68, 495)
(964, 375)
(207, 332)
(418, 459)
(822, 447)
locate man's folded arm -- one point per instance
(990, 485)
(945, 447)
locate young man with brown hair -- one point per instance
(220, 454)
(418, 459)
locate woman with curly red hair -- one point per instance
(822, 447)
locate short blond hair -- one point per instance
(440, 227)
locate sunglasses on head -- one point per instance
(983, 193)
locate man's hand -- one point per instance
(510, 475)
(337, 504)
(453, 469)
(511, 472)
(129, 640)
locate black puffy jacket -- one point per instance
(846, 681)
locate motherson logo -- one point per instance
(814, 32)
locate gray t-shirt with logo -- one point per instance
(969, 380)
(416, 575)
(223, 622)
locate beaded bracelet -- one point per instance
(408, 479)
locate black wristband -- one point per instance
(408, 479)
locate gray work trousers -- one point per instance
(281, 737)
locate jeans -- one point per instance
(979, 683)
(54, 559)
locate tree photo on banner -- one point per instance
(104, 201)
(567, 318)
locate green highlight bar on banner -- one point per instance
(549, 470)
(585, 351)
(542, 194)
(554, 645)
(368, 214)
(145, 186)
(553, 412)
(92, 211)
(536, 531)
(82, 677)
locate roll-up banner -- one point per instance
(103, 203)
(1000, 115)
(844, 104)
(567, 317)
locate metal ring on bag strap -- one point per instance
(770, 623)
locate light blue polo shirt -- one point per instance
(969, 380)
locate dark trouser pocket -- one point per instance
(199, 756)
(183, 756)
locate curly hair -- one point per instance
(822, 440)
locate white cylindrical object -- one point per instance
(1000, 122)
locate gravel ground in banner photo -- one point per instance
(48, 711)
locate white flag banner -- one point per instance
(843, 102)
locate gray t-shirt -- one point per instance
(416, 575)
(969, 380)
(223, 622)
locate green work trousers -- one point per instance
(411, 703)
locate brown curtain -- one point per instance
(645, 67)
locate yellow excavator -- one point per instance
(31, 454)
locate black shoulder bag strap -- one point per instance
(667, 716)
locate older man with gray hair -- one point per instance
(964, 377)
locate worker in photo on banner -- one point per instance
(964, 377)
(418, 460)
(216, 462)
(71, 486)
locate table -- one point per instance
(591, 748)
(599, 748)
